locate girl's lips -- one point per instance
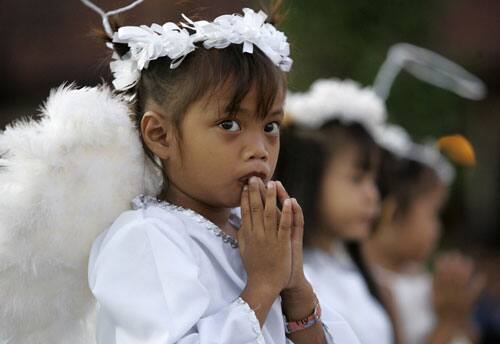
(244, 180)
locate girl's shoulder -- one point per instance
(146, 223)
(151, 221)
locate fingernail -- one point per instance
(253, 179)
(270, 184)
(287, 202)
(245, 188)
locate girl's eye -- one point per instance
(230, 125)
(273, 128)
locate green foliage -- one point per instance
(350, 39)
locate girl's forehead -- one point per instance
(219, 105)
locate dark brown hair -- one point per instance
(341, 135)
(405, 180)
(301, 166)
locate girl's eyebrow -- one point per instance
(246, 112)
(278, 112)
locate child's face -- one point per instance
(217, 155)
(417, 231)
(350, 199)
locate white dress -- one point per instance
(340, 286)
(164, 274)
(412, 293)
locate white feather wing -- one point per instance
(63, 180)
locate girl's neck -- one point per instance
(378, 253)
(217, 215)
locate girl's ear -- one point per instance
(157, 133)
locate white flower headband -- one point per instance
(176, 42)
(329, 99)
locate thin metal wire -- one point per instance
(105, 15)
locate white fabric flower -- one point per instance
(150, 43)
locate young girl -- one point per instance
(183, 267)
(331, 169)
(430, 309)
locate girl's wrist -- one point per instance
(302, 286)
(262, 287)
(298, 302)
(260, 297)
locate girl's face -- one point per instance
(417, 231)
(216, 154)
(349, 199)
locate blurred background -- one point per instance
(45, 44)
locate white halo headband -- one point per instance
(429, 67)
(330, 99)
(150, 43)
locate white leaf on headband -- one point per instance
(330, 99)
(125, 73)
(149, 43)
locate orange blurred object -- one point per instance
(458, 148)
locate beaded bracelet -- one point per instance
(298, 325)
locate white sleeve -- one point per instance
(145, 279)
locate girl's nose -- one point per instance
(256, 148)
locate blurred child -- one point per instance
(329, 162)
(429, 308)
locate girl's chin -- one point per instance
(232, 201)
(358, 233)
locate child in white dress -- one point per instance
(183, 267)
(430, 307)
(329, 161)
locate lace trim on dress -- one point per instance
(143, 201)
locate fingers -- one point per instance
(262, 189)
(298, 220)
(246, 220)
(256, 207)
(286, 220)
(298, 215)
(270, 215)
(456, 273)
(282, 194)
